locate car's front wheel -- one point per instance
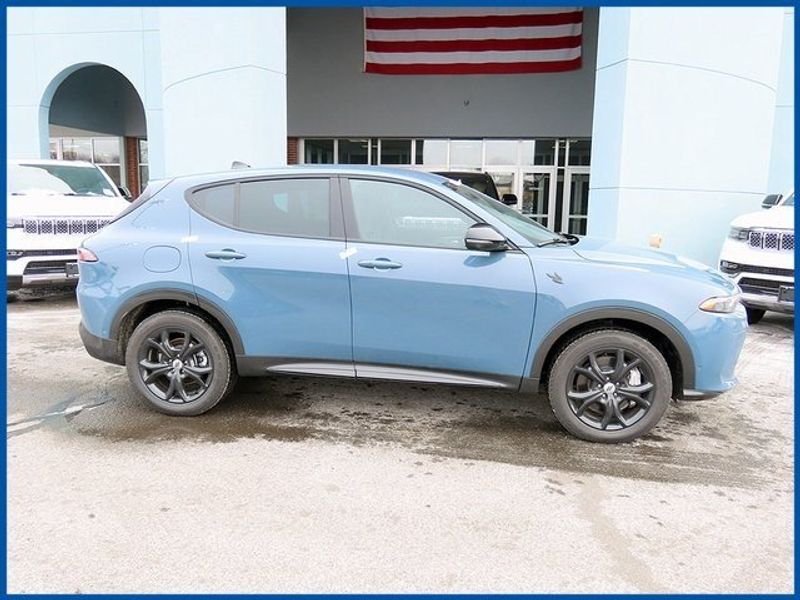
(609, 386)
(179, 363)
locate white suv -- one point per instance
(759, 256)
(52, 206)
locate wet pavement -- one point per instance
(321, 485)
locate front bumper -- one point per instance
(768, 302)
(40, 270)
(101, 348)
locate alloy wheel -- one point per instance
(175, 365)
(610, 389)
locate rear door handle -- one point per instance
(380, 264)
(225, 254)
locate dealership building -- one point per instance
(663, 125)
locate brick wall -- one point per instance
(132, 166)
(291, 151)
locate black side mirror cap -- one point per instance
(485, 238)
(126, 193)
(770, 201)
(510, 199)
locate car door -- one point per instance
(425, 307)
(269, 253)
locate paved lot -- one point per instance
(306, 485)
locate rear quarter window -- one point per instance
(290, 207)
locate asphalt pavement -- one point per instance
(321, 485)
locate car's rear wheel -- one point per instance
(179, 363)
(754, 315)
(609, 386)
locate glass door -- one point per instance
(505, 181)
(576, 200)
(537, 197)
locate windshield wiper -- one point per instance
(558, 240)
(564, 238)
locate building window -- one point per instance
(353, 152)
(395, 152)
(105, 152)
(319, 152)
(144, 164)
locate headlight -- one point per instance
(739, 233)
(720, 304)
(13, 222)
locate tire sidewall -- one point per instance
(598, 340)
(199, 328)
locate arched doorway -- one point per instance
(96, 114)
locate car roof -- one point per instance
(49, 161)
(294, 170)
(463, 174)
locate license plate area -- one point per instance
(786, 294)
(71, 269)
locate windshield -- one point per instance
(789, 201)
(528, 228)
(54, 179)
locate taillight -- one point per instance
(86, 255)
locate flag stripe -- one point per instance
(476, 11)
(400, 35)
(474, 45)
(404, 41)
(521, 56)
(481, 22)
(474, 68)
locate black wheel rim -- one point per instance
(175, 366)
(610, 389)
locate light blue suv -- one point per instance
(370, 273)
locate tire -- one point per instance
(576, 393)
(204, 372)
(754, 315)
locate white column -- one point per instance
(781, 175)
(683, 117)
(224, 87)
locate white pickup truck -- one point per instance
(759, 256)
(52, 206)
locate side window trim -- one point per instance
(334, 203)
(351, 225)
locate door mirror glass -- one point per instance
(510, 199)
(126, 193)
(485, 238)
(770, 201)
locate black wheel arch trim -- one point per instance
(190, 298)
(628, 314)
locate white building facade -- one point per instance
(678, 120)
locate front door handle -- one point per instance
(225, 254)
(380, 264)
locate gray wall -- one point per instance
(330, 95)
(98, 98)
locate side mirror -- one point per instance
(510, 199)
(126, 193)
(485, 238)
(770, 201)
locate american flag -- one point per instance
(463, 41)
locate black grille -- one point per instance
(14, 254)
(46, 267)
(767, 270)
(759, 286)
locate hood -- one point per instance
(613, 253)
(779, 217)
(49, 205)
